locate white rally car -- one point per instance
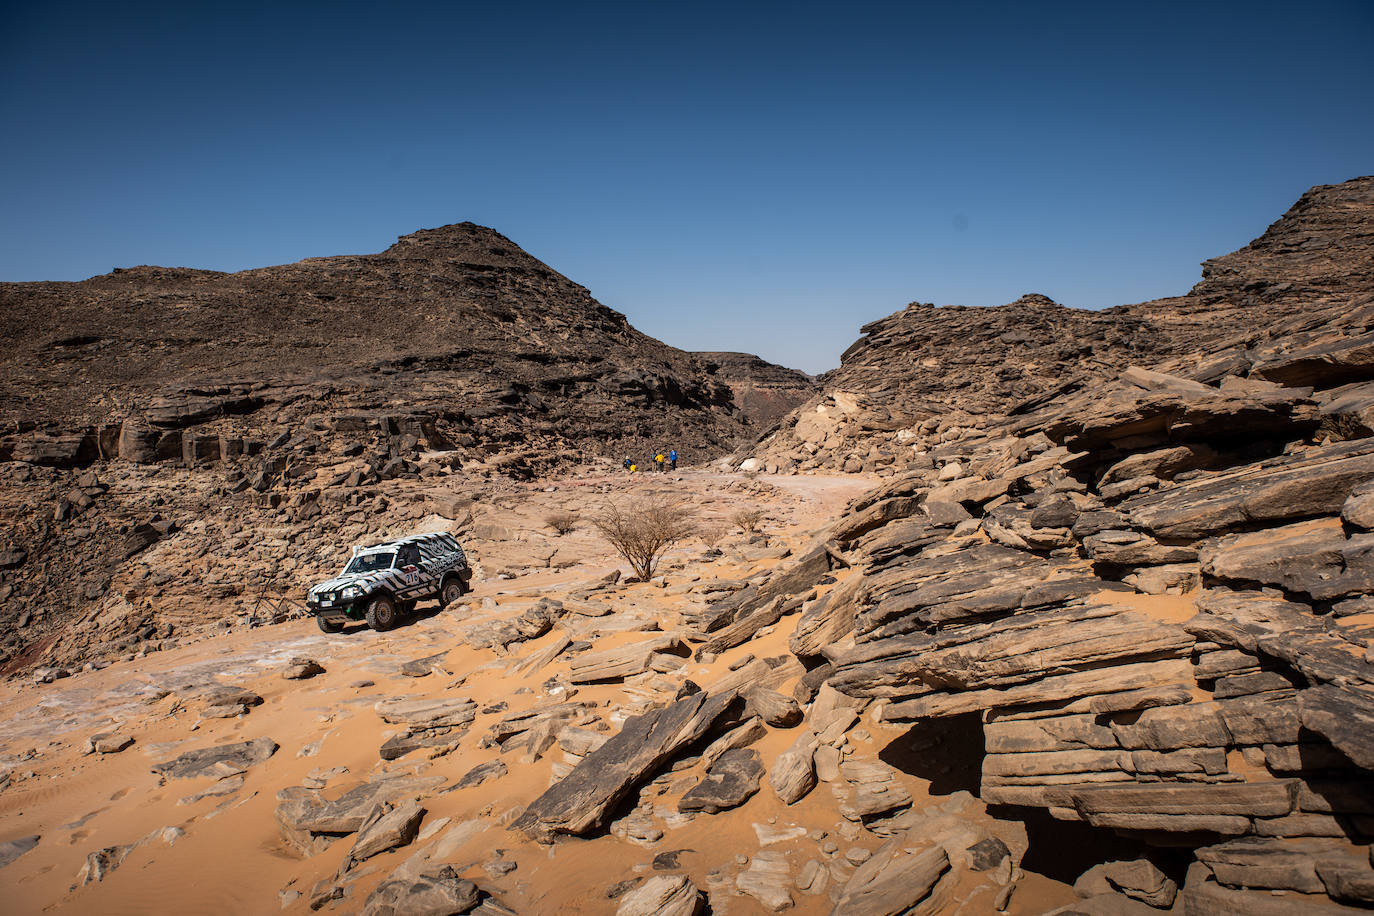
(382, 582)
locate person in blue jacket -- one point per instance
(672, 460)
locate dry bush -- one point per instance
(643, 529)
(747, 520)
(712, 535)
(562, 522)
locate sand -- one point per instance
(226, 855)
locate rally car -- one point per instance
(382, 582)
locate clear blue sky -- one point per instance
(760, 177)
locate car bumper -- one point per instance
(336, 610)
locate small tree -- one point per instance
(747, 520)
(642, 530)
(562, 522)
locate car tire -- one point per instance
(450, 591)
(381, 613)
(329, 626)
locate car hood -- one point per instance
(337, 583)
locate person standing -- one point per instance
(672, 459)
(659, 460)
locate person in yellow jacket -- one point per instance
(660, 460)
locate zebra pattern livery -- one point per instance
(439, 554)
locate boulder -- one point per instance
(417, 739)
(731, 780)
(1344, 716)
(1160, 463)
(436, 893)
(422, 667)
(893, 881)
(624, 661)
(1263, 862)
(301, 668)
(987, 854)
(663, 895)
(1131, 548)
(793, 774)
(873, 789)
(387, 827)
(427, 712)
(1358, 509)
(1138, 879)
(103, 861)
(109, 743)
(307, 810)
(772, 707)
(768, 879)
(582, 800)
(66, 450)
(222, 760)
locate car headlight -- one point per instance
(352, 591)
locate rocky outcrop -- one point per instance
(1131, 550)
(1181, 659)
(1292, 307)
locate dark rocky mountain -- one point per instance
(453, 334)
(765, 392)
(1311, 274)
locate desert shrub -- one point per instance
(562, 522)
(643, 529)
(711, 535)
(747, 520)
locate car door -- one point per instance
(408, 565)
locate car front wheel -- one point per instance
(381, 613)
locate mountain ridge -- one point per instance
(1313, 267)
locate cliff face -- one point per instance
(1308, 277)
(764, 392)
(459, 330)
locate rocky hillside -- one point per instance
(765, 392)
(229, 418)
(453, 334)
(1142, 601)
(926, 367)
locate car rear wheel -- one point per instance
(450, 591)
(381, 613)
(329, 626)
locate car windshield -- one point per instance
(370, 562)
